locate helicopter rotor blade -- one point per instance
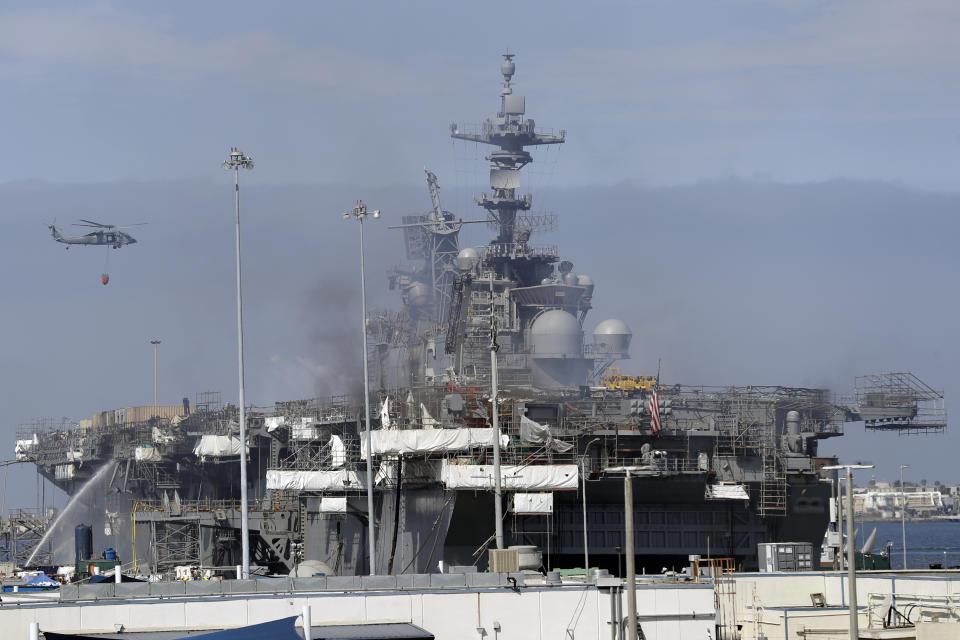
(91, 223)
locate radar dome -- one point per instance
(556, 333)
(612, 336)
(467, 259)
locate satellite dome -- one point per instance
(612, 336)
(612, 326)
(556, 333)
(467, 259)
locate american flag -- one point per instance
(654, 407)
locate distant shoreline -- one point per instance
(897, 520)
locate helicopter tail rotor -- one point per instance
(53, 230)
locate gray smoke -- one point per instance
(332, 309)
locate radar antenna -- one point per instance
(511, 133)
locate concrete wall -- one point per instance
(782, 604)
(450, 612)
(938, 631)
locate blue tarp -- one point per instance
(283, 629)
(41, 580)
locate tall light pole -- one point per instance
(495, 413)
(851, 549)
(360, 213)
(155, 343)
(234, 162)
(583, 476)
(903, 514)
(843, 563)
(631, 558)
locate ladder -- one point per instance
(773, 483)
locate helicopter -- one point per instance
(105, 234)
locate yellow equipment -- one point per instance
(621, 382)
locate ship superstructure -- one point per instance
(718, 469)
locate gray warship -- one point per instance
(716, 470)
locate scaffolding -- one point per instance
(175, 543)
(22, 532)
(720, 573)
(900, 402)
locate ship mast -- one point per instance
(510, 133)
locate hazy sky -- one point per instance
(762, 190)
(654, 92)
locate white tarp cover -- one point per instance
(335, 480)
(333, 504)
(272, 423)
(537, 433)
(426, 419)
(727, 492)
(533, 503)
(162, 436)
(211, 446)
(543, 477)
(23, 447)
(385, 414)
(395, 442)
(338, 451)
(146, 453)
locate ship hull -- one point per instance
(418, 528)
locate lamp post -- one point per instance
(234, 162)
(583, 476)
(631, 558)
(495, 414)
(851, 550)
(903, 514)
(155, 343)
(360, 213)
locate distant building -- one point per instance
(887, 502)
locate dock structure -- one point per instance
(448, 606)
(714, 602)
